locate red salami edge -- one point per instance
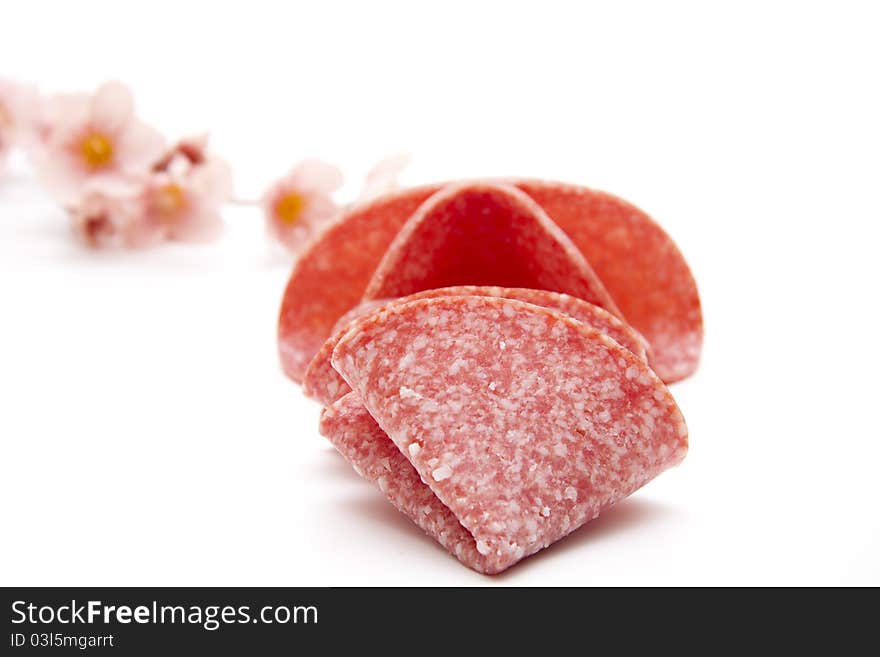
(639, 264)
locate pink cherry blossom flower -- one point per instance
(179, 200)
(95, 140)
(382, 178)
(186, 206)
(18, 115)
(104, 221)
(301, 203)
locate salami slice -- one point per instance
(324, 384)
(484, 234)
(356, 313)
(354, 432)
(523, 422)
(637, 262)
(640, 266)
(330, 276)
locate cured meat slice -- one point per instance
(640, 266)
(638, 263)
(354, 432)
(356, 313)
(324, 384)
(484, 234)
(523, 422)
(330, 276)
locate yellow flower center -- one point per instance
(289, 208)
(96, 150)
(169, 199)
(5, 117)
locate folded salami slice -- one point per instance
(354, 432)
(484, 234)
(330, 276)
(324, 384)
(523, 422)
(640, 266)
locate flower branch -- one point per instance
(124, 186)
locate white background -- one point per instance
(148, 436)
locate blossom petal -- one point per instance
(382, 178)
(19, 111)
(112, 107)
(317, 176)
(140, 146)
(213, 180)
(58, 175)
(61, 115)
(202, 224)
(115, 185)
(142, 233)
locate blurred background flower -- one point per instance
(96, 140)
(124, 187)
(186, 191)
(298, 205)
